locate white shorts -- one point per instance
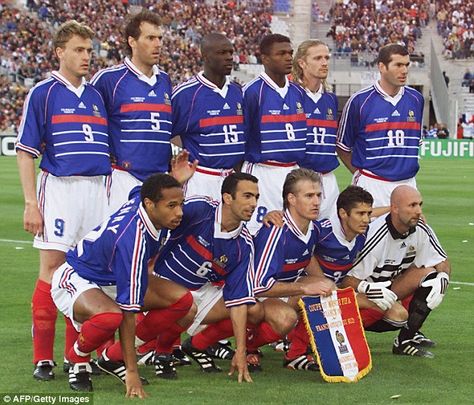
(67, 286)
(121, 183)
(330, 192)
(71, 207)
(380, 189)
(205, 298)
(206, 181)
(270, 186)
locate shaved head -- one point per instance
(211, 40)
(403, 193)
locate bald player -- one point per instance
(403, 257)
(208, 117)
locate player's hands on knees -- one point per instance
(318, 286)
(273, 218)
(379, 293)
(134, 385)
(181, 169)
(32, 219)
(239, 364)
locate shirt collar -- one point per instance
(218, 233)
(316, 95)
(395, 234)
(293, 228)
(76, 90)
(391, 99)
(150, 228)
(223, 92)
(339, 233)
(137, 72)
(280, 90)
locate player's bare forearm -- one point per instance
(346, 158)
(444, 266)
(313, 268)
(32, 218)
(305, 286)
(350, 281)
(127, 341)
(238, 315)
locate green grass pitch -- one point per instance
(448, 190)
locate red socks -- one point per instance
(44, 314)
(262, 335)
(299, 340)
(212, 334)
(94, 332)
(166, 339)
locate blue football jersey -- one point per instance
(68, 126)
(139, 110)
(333, 252)
(383, 132)
(117, 253)
(198, 252)
(275, 122)
(209, 121)
(321, 119)
(282, 254)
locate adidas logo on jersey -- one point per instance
(226, 107)
(317, 111)
(82, 105)
(403, 245)
(306, 252)
(395, 114)
(152, 94)
(285, 107)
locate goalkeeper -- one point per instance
(401, 258)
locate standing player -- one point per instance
(380, 129)
(310, 70)
(282, 259)
(103, 282)
(402, 256)
(137, 95)
(64, 119)
(208, 117)
(275, 125)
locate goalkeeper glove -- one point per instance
(439, 286)
(378, 293)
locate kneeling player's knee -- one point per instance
(286, 320)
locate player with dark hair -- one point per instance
(380, 129)
(275, 125)
(310, 70)
(212, 245)
(102, 284)
(402, 257)
(137, 94)
(208, 118)
(65, 121)
(282, 266)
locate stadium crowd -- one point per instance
(362, 26)
(27, 55)
(455, 23)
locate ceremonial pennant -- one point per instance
(337, 336)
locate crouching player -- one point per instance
(343, 237)
(282, 258)
(402, 257)
(102, 284)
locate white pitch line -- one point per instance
(21, 242)
(461, 283)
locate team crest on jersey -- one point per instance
(239, 109)
(96, 110)
(299, 107)
(411, 116)
(167, 99)
(330, 115)
(221, 261)
(126, 165)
